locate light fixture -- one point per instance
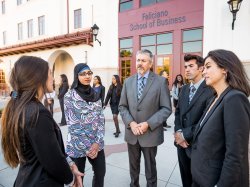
(95, 30)
(234, 6)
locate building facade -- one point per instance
(172, 28)
(168, 28)
(59, 31)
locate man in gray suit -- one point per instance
(144, 106)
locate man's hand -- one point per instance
(184, 144)
(135, 128)
(143, 127)
(178, 138)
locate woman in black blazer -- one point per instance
(113, 97)
(220, 144)
(30, 136)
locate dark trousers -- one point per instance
(134, 154)
(63, 120)
(185, 167)
(98, 166)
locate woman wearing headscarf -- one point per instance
(113, 95)
(85, 121)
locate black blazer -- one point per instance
(113, 96)
(188, 115)
(63, 90)
(43, 149)
(102, 94)
(220, 144)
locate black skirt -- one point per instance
(114, 109)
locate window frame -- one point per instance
(30, 28)
(3, 6)
(19, 2)
(122, 2)
(4, 37)
(156, 44)
(20, 31)
(191, 41)
(127, 47)
(78, 18)
(155, 2)
(41, 25)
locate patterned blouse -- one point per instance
(85, 121)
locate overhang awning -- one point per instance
(81, 37)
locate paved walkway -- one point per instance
(117, 173)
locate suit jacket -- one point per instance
(220, 145)
(154, 107)
(188, 115)
(43, 150)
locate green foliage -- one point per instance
(125, 53)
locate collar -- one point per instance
(145, 75)
(196, 85)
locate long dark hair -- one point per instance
(176, 80)
(99, 80)
(118, 86)
(236, 76)
(64, 79)
(28, 75)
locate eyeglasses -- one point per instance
(89, 73)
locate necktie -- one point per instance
(191, 92)
(141, 87)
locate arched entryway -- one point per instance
(61, 62)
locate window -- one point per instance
(4, 37)
(2, 80)
(159, 44)
(20, 31)
(192, 41)
(126, 49)
(41, 25)
(77, 18)
(19, 2)
(150, 2)
(3, 7)
(30, 28)
(126, 5)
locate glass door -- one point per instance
(163, 62)
(125, 68)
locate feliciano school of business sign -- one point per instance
(156, 19)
